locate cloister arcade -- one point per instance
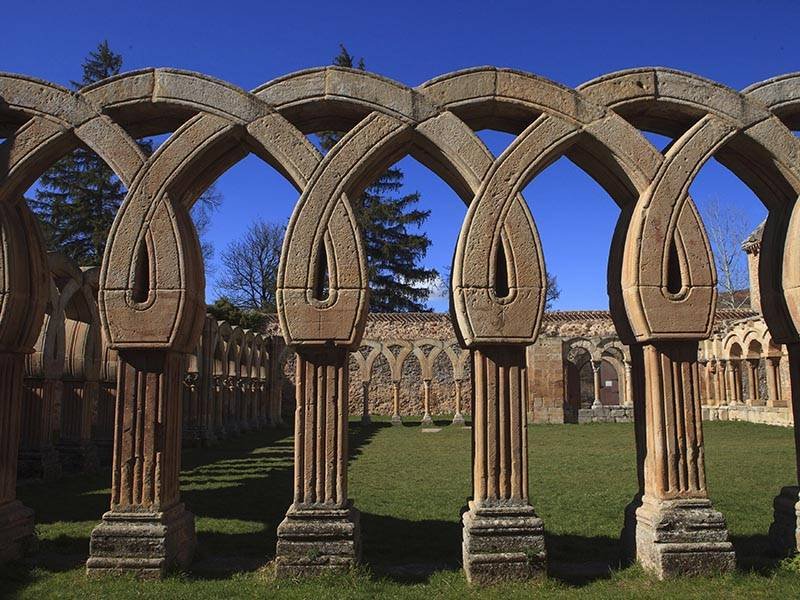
(744, 371)
(661, 284)
(68, 415)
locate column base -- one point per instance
(397, 420)
(39, 464)
(200, 436)
(502, 543)
(458, 420)
(366, 420)
(79, 458)
(313, 541)
(784, 532)
(105, 452)
(673, 538)
(427, 421)
(147, 544)
(16, 530)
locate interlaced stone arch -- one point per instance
(151, 299)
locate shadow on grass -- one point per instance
(409, 551)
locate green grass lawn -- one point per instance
(410, 487)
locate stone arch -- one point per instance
(708, 119)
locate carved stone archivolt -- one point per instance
(151, 284)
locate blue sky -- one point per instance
(247, 43)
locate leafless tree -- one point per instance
(201, 213)
(250, 267)
(552, 291)
(728, 226)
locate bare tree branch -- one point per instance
(250, 267)
(727, 228)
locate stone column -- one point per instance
(75, 448)
(232, 422)
(103, 426)
(752, 388)
(597, 384)
(737, 380)
(427, 421)
(671, 528)
(628, 385)
(276, 380)
(191, 410)
(503, 537)
(785, 529)
(706, 396)
(218, 399)
(365, 419)
(16, 519)
(458, 418)
(396, 419)
(719, 384)
(771, 364)
(730, 382)
(147, 530)
(321, 530)
(38, 457)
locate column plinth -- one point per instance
(147, 531)
(503, 538)
(321, 530)
(671, 527)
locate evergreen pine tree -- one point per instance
(78, 197)
(398, 282)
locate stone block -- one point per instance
(148, 544)
(679, 537)
(502, 543)
(317, 540)
(16, 530)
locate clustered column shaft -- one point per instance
(147, 529)
(500, 519)
(321, 528)
(675, 521)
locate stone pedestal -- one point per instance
(397, 420)
(147, 531)
(671, 527)
(502, 543)
(80, 457)
(458, 420)
(16, 530)
(147, 544)
(317, 540)
(681, 537)
(784, 532)
(40, 463)
(321, 530)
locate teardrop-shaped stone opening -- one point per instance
(674, 279)
(501, 288)
(141, 277)
(322, 278)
